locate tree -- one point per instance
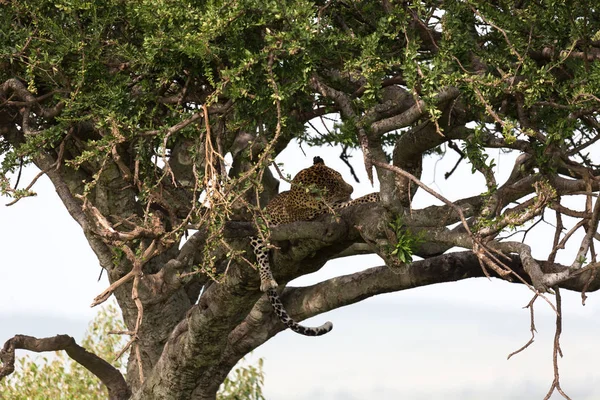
(156, 122)
(63, 378)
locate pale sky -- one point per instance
(446, 341)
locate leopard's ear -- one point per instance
(318, 160)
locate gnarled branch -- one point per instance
(108, 375)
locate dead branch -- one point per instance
(557, 232)
(531, 327)
(556, 350)
(587, 240)
(530, 265)
(136, 270)
(565, 239)
(108, 375)
(135, 274)
(102, 297)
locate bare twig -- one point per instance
(148, 253)
(55, 165)
(561, 244)
(344, 157)
(426, 188)
(531, 327)
(587, 240)
(279, 173)
(557, 232)
(508, 42)
(102, 297)
(193, 118)
(556, 350)
(462, 156)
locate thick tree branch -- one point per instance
(262, 324)
(348, 289)
(108, 375)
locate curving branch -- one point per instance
(413, 113)
(349, 289)
(108, 375)
(530, 265)
(304, 302)
(29, 102)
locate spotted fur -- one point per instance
(314, 191)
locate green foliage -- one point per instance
(111, 61)
(59, 377)
(406, 241)
(244, 383)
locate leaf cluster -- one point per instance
(406, 242)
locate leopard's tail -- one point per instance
(290, 323)
(269, 285)
(264, 269)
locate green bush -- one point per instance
(60, 377)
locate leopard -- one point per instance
(314, 191)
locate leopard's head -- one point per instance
(316, 188)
